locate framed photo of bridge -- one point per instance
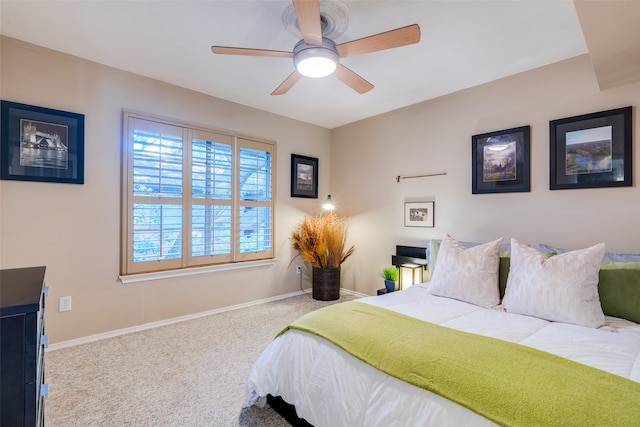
(591, 151)
(41, 144)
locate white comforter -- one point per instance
(331, 388)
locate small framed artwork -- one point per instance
(591, 151)
(419, 214)
(304, 176)
(41, 144)
(501, 161)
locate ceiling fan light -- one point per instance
(316, 66)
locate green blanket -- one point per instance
(510, 384)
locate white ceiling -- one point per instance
(464, 44)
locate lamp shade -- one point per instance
(328, 204)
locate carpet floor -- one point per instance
(191, 373)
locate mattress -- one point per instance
(331, 388)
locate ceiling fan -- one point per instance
(318, 56)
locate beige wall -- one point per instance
(75, 229)
(436, 135)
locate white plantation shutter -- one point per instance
(193, 197)
(212, 194)
(157, 161)
(156, 209)
(255, 200)
(157, 232)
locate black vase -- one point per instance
(326, 283)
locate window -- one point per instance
(193, 196)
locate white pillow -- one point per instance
(469, 275)
(561, 288)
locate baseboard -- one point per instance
(151, 325)
(160, 323)
(354, 293)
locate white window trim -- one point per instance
(192, 271)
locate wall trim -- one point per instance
(167, 322)
(145, 277)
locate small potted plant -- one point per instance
(390, 276)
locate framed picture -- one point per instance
(419, 214)
(592, 150)
(501, 161)
(41, 144)
(304, 176)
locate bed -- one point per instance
(501, 335)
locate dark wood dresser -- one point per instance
(22, 343)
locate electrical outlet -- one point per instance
(65, 304)
(298, 269)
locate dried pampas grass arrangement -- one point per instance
(321, 240)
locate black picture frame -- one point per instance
(41, 144)
(501, 161)
(304, 176)
(591, 150)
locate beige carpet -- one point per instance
(188, 374)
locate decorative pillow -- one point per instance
(561, 288)
(619, 289)
(608, 256)
(469, 275)
(432, 253)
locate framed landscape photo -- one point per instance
(501, 161)
(41, 144)
(591, 151)
(419, 214)
(304, 176)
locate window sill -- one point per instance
(145, 277)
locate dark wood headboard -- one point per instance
(409, 255)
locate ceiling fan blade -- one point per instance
(352, 80)
(224, 50)
(387, 40)
(287, 83)
(308, 13)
